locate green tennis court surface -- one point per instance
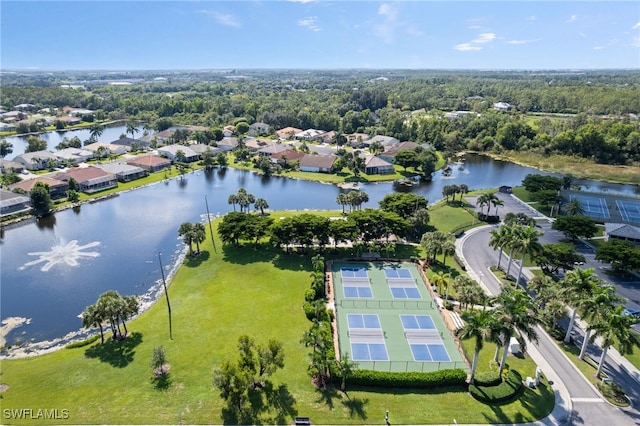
(387, 320)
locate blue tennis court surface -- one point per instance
(593, 206)
(397, 273)
(363, 321)
(629, 210)
(369, 352)
(432, 352)
(353, 273)
(417, 322)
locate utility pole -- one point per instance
(166, 294)
(210, 228)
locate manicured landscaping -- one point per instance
(216, 297)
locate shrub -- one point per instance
(507, 391)
(410, 379)
(82, 343)
(487, 379)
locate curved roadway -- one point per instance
(574, 394)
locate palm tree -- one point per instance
(438, 279)
(577, 287)
(528, 244)
(447, 247)
(199, 234)
(497, 202)
(482, 326)
(499, 237)
(186, 232)
(516, 312)
(513, 239)
(233, 200)
(573, 207)
(343, 200)
(545, 288)
(6, 148)
(615, 327)
(463, 189)
(261, 204)
(596, 308)
(95, 131)
(346, 367)
(132, 128)
(92, 318)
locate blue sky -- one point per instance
(128, 35)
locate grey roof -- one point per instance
(622, 231)
(28, 157)
(120, 168)
(8, 198)
(320, 161)
(128, 142)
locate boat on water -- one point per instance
(405, 182)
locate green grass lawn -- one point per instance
(449, 217)
(215, 298)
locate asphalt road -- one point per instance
(588, 407)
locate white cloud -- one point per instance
(484, 38)
(467, 47)
(309, 22)
(523, 41)
(636, 26)
(301, 1)
(225, 19)
(476, 43)
(388, 11)
(531, 18)
(598, 47)
(583, 35)
(572, 18)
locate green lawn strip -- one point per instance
(214, 299)
(449, 217)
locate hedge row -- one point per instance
(410, 379)
(487, 378)
(82, 343)
(507, 391)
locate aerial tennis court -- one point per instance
(595, 207)
(629, 210)
(387, 320)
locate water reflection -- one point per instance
(134, 226)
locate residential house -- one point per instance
(112, 148)
(7, 166)
(390, 153)
(317, 163)
(228, 131)
(227, 144)
(502, 106)
(257, 129)
(459, 114)
(358, 140)
(74, 155)
(269, 150)
(57, 188)
(25, 107)
(385, 141)
(132, 144)
(5, 127)
(287, 132)
(377, 166)
(151, 163)
(309, 135)
(69, 120)
(12, 203)
(90, 179)
(37, 160)
(327, 137)
(170, 152)
(124, 172)
(254, 145)
(286, 156)
(13, 116)
(200, 148)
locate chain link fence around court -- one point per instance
(605, 207)
(386, 304)
(406, 366)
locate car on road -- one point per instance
(632, 312)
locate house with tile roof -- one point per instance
(377, 166)
(287, 132)
(150, 163)
(170, 152)
(622, 231)
(390, 153)
(74, 155)
(124, 172)
(317, 163)
(38, 160)
(90, 179)
(286, 156)
(57, 188)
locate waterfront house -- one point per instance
(124, 172)
(12, 203)
(150, 163)
(317, 163)
(170, 152)
(57, 188)
(284, 157)
(74, 155)
(377, 166)
(38, 160)
(90, 179)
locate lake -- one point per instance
(54, 268)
